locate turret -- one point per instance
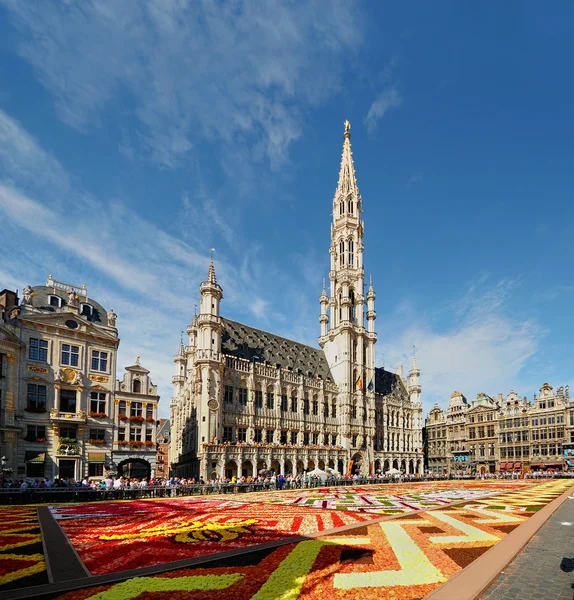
(324, 318)
(181, 367)
(209, 323)
(414, 388)
(371, 314)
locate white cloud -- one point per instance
(225, 71)
(21, 158)
(389, 98)
(483, 350)
(149, 277)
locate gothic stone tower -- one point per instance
(349, 346)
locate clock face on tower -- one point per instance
(212, 404)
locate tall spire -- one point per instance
(347, 179)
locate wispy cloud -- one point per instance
(224, 71)
(484, 348)
(388, 96)
(386, 100)
(148, 276)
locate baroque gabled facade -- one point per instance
(247, 400)
(502, 434)
(59, 398)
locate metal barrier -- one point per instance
(59, 495)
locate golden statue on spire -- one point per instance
(347, 126)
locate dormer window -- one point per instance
(87, 310)
(136, 386)
(55, 301)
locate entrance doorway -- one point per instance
(66, 468)
(135, 468)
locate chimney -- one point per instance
(8, 300)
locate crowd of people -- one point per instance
(263, 481)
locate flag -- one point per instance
(359, 383)
(371, 387)
(350, 468)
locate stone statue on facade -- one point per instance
(14, 312)
(79, 378)
(27, 295)
(72, 299)
(112, 318)
(60, 375)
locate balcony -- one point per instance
(67, 417)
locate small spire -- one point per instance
(371, 291)
(211, 273)
(347, 180)
(324, 299)
(181, 348)
(414, 365)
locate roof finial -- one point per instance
(138, 359)
(347, 128)
(181, 348)
(211, 273)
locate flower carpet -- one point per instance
(401, 558)
(112, 537)
(21, 554)
(390, 499)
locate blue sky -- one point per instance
(135, 136)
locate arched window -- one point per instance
(352, 298)
(136, 386)
(341, 207)
(340, 307)
(341, 253)
(351, 247)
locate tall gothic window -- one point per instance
(352, 298)
(341, 253)
(351, 247)
(341, 207)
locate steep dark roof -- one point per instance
(164, 430)
(386, 382)
(247, 342)
(41, 301)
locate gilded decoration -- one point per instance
(9, 400)
(36, 369)
(99, 378)
(68, 375)
(11, 358)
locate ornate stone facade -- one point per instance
(508, 434)
(58, 351)
(135, 415)
(247, 400)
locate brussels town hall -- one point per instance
(247, 400)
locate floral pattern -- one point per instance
(21, 554)
(403, 558)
